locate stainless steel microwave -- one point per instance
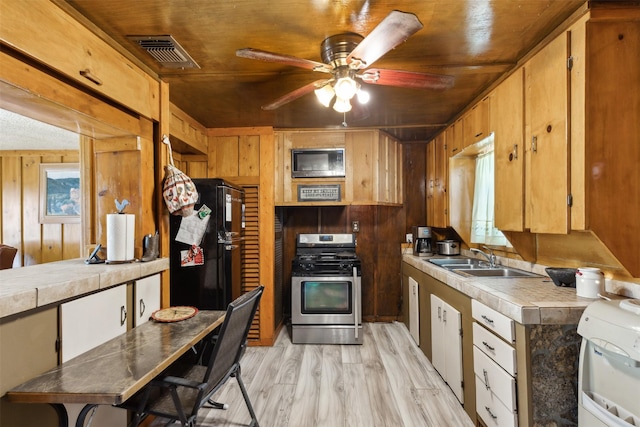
(317, 162)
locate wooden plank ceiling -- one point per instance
(476, 41)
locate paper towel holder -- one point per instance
(94, 258)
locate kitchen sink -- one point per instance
(505, 272)
(472, 267)
(448, 262)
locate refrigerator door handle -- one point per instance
(228, 237)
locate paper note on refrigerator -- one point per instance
(192, 228)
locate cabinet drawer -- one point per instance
(501, 352)
(70, 48)
(491, 410)
(494, 321)
(495, 379)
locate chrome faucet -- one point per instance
(490, 257)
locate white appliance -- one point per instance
(609, 371)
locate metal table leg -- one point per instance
(61, 411)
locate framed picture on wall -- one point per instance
(59, 193)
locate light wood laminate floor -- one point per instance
(387, 382)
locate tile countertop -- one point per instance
(529, 301)
(26, 288)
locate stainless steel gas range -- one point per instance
(326, 290)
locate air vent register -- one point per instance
(165, 50)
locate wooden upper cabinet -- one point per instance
(547, 147)
(437, 182)
(507, 124)
(431, 182)
(577, 69)
(475, 123)
(71, 49)
(187, 135)
(454, 137)
(373, 167)
(612, 132)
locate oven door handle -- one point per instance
(354, 300)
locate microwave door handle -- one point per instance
(355, 303)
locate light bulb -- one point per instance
(342, 105)
(325, 94)
(345, 88)
(363, 96)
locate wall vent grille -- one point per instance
(165, 50)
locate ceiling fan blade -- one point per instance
(410, 79)
(295, 94)
(393, 30)
(263, 55)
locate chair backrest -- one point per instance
(7, 254)
(232, 338)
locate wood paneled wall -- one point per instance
(245, 157)
(19, 200)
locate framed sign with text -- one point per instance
(319, 193)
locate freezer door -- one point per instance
(232, 201)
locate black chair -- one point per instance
(184, 389)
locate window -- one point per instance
(483, 230)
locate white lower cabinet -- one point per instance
(491, 409)
(495, 368)
(446, 344)
(86, 323)
(147, 299)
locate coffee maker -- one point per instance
(422, 242)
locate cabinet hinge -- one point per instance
(570, 200)
(570, 63)
(460, 331)
(58, 344)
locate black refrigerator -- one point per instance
(212, 279)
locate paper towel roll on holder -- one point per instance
(94, 258)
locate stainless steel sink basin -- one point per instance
(447, 262)
(473, 267)
(504, 272)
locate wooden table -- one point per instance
(114, 371)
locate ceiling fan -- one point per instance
(347, 57)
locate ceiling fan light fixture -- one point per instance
(363, 96)
(325, 94)
(342, 105)
(345, 87)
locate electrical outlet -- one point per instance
(355, 226)
(409, 238)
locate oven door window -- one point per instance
(330, 297)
